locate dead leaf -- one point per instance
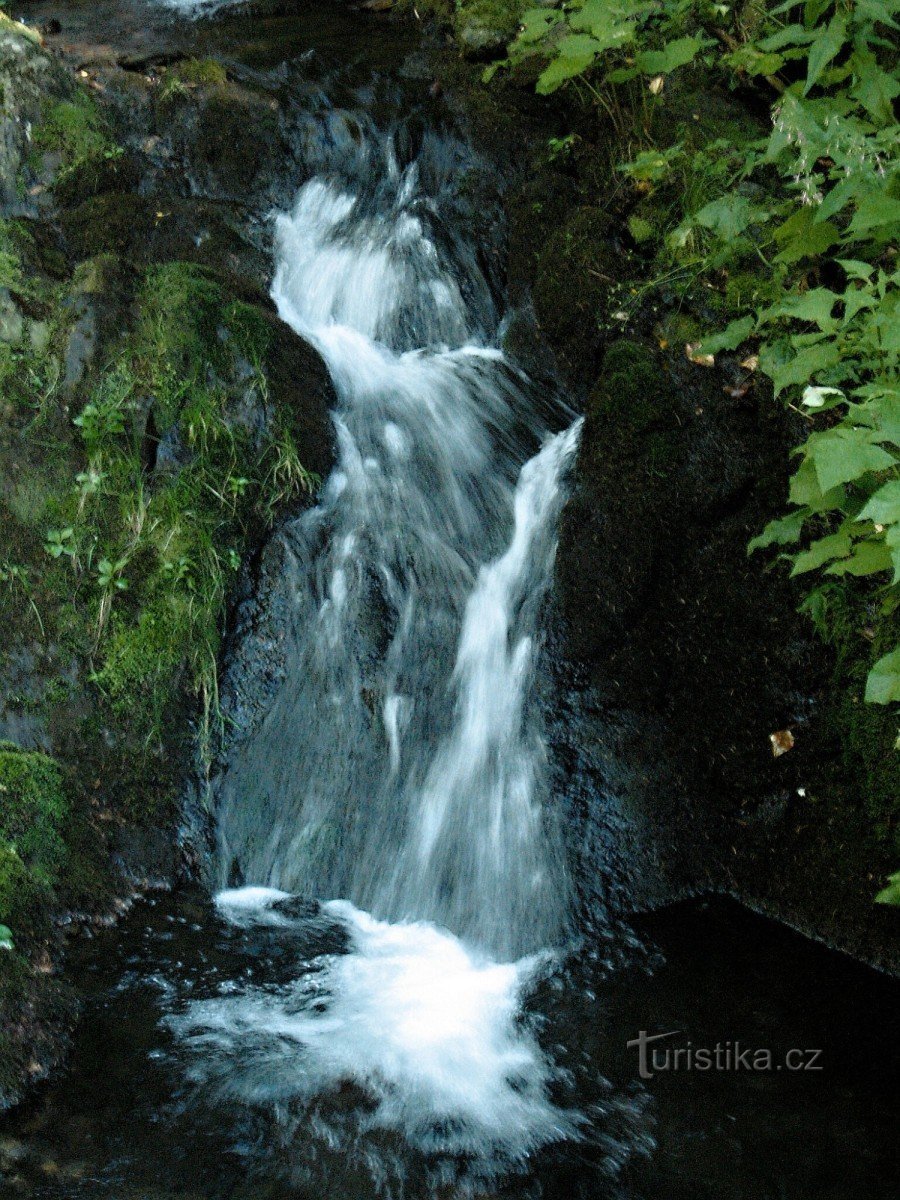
(751, 363)
(692, 350)
(782, 741)
(656, 84)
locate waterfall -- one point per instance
(399, 776)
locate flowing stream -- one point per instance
(399, 773)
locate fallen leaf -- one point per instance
(692, 350)
(782, 741)
(656, 84)
(751, 363)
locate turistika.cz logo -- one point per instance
(724, 1056)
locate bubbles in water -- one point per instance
(430, 1032)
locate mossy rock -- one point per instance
(485, 27)
(630, 394)
(575, 272)
(34, 809)
(24, 900)
(136, 228)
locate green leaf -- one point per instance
(869, 557)
(675, 54)
(883, 683)
(884, 507)
(6, 938)
(815, 305)
(875, 89)
(780, 532)
(827, 45)
(754, 62)
(874, 211)
(843, 454)
(576, 54)
(890, 894)
(801, 368)
(535, 24)
(836, 545)
(803, 236)
(728, 216)
(892, 541)
(730, 338)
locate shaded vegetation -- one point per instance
(769, 217)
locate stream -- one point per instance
(389, 989)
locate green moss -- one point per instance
(631, 391)
(75, 130)
(575, 271)
(34, 810)
(24, 899)
(177, 335)
(485, 26)
(202, 72)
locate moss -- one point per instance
(483, 27)
(34, 810)
(631, 386)
(201, 72)
(24, 900)
(575, 272)
(75, 131)
(177, 334)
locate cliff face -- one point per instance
(156, 419)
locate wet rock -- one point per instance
(28, 79)
(576, 269)
(483, 28)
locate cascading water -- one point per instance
(400, 766)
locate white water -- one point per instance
(401, 765)
(428, 1029)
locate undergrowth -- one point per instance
(794, 234)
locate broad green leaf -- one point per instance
(675, 54)
(875, 89)
(728, 216)
(567, 65)
(837, 199)
(815, 241)
(869, 557)
(884, 507)
(754, 62)
(791, 35)
(801, 368)
(856, 269)
(874, 211)
(780, 532)
(890, 894)
(827, 45)
(812, 10)
(730, 338)
(815, 305)
(883, 683)
(836, 545)
(536, 23)
(843, 454)
(892, 541)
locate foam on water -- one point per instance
(429, 1030)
